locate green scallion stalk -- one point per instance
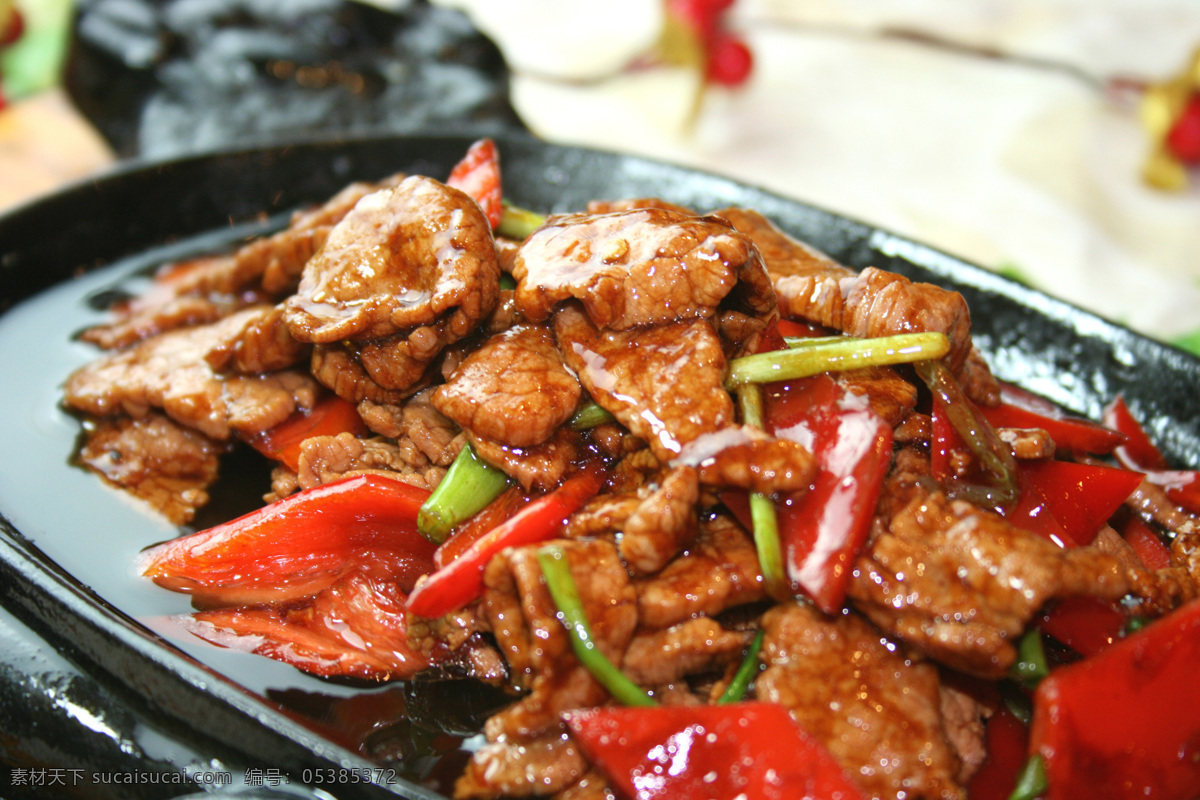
(467, 487)
(844, 353)
(588, 416)
(977, 433)
(517, 222)
(744, 676)
(1031, 780)
(1031, 665)
(553, 561)
(762, 507)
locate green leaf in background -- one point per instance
(1011, 271)
(1188, 341)
(35, 61)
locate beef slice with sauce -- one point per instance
(637, 267)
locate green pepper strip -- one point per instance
(553, 561)
(843, 354)
(1031, 665)
(517, 222)
(1031, 780)
(589, 415)
(976, 432)
(744, 676)
(467, 487)
(762, 507)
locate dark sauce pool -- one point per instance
(424, 730)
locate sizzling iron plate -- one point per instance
(65, 540)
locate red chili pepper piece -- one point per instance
(1138, 452)
(1087, 625)
(1007, 742)
(329, 417)
(297, 546)
(823, 529)
(355, 628)
(752, 750)
(730, 61)
(1020, 410)
(478, 174)
(1146, 543)
(461, 581)
(1124, 723)
(1081, 497)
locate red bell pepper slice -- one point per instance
(1137, 452)
(1080, 497)
(1087, 625)
(478, 174)
(1147, 544)
(753, 750)
(1006, 739)
(1020, 409)
(823, 529)
(1124, 723)
(299, 545)
(461, 581)
(329, 417)
(355, 628)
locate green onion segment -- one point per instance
(840, 353)
(466, 489)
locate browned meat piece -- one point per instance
(328, 458)
(961, 584)
(417, 421)
(522, 768)
(1028, 443)
(719, 571)
(875, 710)
(505, 314)
(338, 369)
(528, 632)
(513, 389)
(401, 363)
(540, 467)
(202, 290)
(628, 204)
(263, 344)
(963, 717)
(170, 371)
(401, 258)
(152, 458)
(665, 384)
(748, 458)
(592, 786)
(660, 657)
(782, 254)
(890, 396)
(634, 268)
(662, 522)
(740, 333)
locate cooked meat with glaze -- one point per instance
(644, 266)
(403, 258)
(514, 389)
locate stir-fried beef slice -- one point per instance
(748, 458)
(165, 464)
(876, 711)
(659, 657)
(437, 438)
(327, 458)
(542, 466)
(524, 621)
(963, 718)
(665, 384)
(1028, 444)
(662, 523)
(514, 389)
(525, 767)
(400, 259)
(782, 254)
(204, 289)
(338, 369)
(631, 203)
(505, 315)
(960, 584)
(632, 268)
(170, 371)
(263, 344)
(890, 396)
(592, 786)
(402, 363)
(740, 332)
(718, 571)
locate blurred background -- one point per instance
(1057, 141)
